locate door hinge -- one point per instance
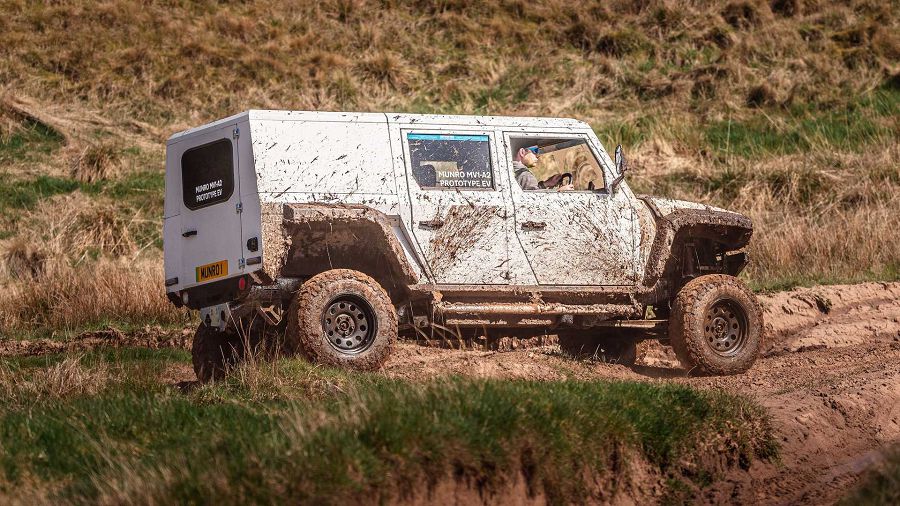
(235, 133)
(239, 207)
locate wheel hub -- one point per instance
(726, 328)
(720, 328)
(349, 324)
(344, 325)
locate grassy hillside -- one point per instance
(111, 428)
(787, 110)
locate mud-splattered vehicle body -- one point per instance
(417, 223)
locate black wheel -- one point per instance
(726, 328)
(716, 326)
(214, 352)
(344, 318)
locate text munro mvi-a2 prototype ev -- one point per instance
(341, 231)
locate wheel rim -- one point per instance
(349, 324)
(725, 328)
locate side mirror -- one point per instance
(621, 167)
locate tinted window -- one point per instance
(451, 161)
(207, 174)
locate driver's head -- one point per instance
(527, 156)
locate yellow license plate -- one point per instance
(212, 271)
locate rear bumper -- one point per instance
(211, 294)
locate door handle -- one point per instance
(534, 225)
(435, 223)
(189, 233)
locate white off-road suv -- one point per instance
(340, 231)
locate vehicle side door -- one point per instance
(458, 211)
(583, 237)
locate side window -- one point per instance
(451, 161)
(207, 174)
(567, 164)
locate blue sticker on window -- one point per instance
(442, 137)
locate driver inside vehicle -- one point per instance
(526, 160)
(563, 164)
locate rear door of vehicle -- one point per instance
(211, 247)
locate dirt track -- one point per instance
(830, 377)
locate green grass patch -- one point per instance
(291, 432)
(25, 194)
(867, 121)
(809, 279)
(137, 189)
(145, 189)
(30, 143)
(628, 134)
(131, 192)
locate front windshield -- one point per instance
(570, 156)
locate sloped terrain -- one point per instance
(830, 381)
(785, 110)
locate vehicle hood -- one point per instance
(665, 207)
(734, 228)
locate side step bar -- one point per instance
(512, 308)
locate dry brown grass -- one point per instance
(9, 124)
(68, 377)
(810, 224)
(21, 260)
(96, 162)
(205, 60)
(66, 297)
(77, 226)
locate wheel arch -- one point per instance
(693, 242)
(303, 240)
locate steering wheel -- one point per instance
(556, 181)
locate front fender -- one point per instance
(677, 220)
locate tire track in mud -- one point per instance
(149, 337)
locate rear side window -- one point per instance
(451, 161)
(207, 174)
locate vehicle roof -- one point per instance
(383, 117)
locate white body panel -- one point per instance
(462, 234)
(363, 158)
(586, 237)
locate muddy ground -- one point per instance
(830, 377)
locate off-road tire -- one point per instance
(306, 328)
(214, 352)
(716, 326)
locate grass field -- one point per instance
(788, 111)
(113, 427)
